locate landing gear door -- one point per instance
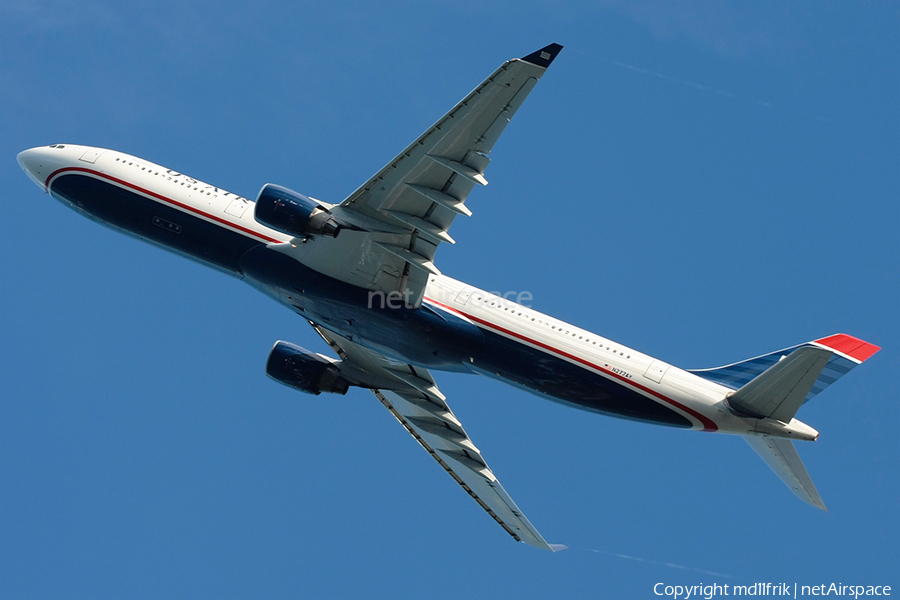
(656, 370)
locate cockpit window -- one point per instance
(58, 146)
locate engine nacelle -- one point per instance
(292, 213)
(303, 370)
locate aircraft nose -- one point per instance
(36, 165)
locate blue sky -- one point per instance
(702, 182)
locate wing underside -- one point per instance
(397, 219)
(412, 397)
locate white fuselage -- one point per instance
(575, 357)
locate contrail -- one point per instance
(656, 562)
(697, 86)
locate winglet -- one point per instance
(558, 547)
(544, 56)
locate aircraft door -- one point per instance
(656, 370)
(463, 296)
(236, 208)
(91, 156)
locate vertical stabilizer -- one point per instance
(847, 352)
(770, 388)
(782, 457)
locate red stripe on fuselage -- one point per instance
(175, 203)
(708, 425)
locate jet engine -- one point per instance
(292, 213)
(303, 370)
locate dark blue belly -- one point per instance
(549, 375)
(428, 337)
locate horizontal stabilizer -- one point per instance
(782, 457)
(779, 391)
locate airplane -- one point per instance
(362, 273)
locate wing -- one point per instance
(399, 217)
(411, 395)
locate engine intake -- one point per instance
(303, 370)
(293, 213)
